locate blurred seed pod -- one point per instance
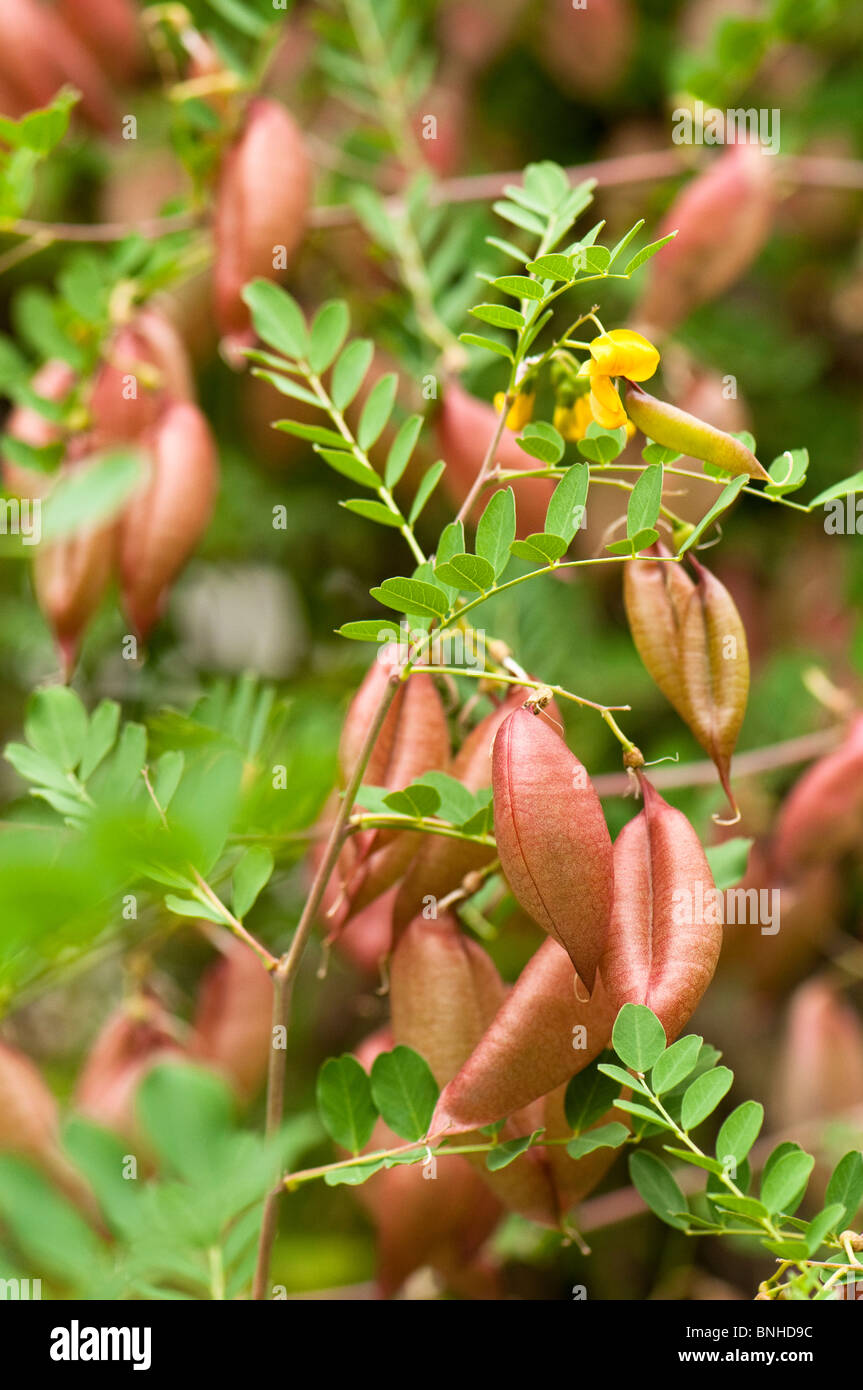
(39, 54)
(544, 1032)
(821, 819)
(464, 427)
(166, 518)
(366, 937)
(54, 380)
(232, 1027)
(587, 49)
(146, 368)
(820, 1063)
(262, 198)
(441, 125)
(30, 1124)
(722, 218)
(666, 924)
(473, 32)
(135, 1037)
(110, 30)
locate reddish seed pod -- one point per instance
(54, 380)
(165, 520)
(111, 31)
(822, 817)
(262, 199)
(587, 48)
(232, 1027)
(465, 427)
(574, 1178)
(146, 368)
(820, 1070)
(30, 1124)
(722, 219)
(134, 1039)
(552, 839)
(544, 1032)
(39, 54)
(666, 926)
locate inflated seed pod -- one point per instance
(30, 1124)
(39, 54)
(666, 926)
(820, 1064)
(262, 199)
(676, 429)
(111, 30)
(444, 990)
(232, 1027)
(552, 839)
(691, 639)
(822, 817)
(544, 1032)
(134, 1039)
(574, 1178)
(165, 520)
(722, 219)
(146, 368)
(587, 48)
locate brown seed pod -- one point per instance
(587, 48)
(232, 1027)
(822, 817)
(820, 1070)
(262, 199)
(39, 54)
(165, 520)
(147, 367)
(552, 840)
(136, 1036)
(674, 428)
(666, 926)
(691, 639)
(111, 31)
(722, 219)
(30, 1125)
(544, 1032)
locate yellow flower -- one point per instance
(572, 420)
(605, 403)
(521, 410)
(624, 353)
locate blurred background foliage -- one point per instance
(266, 600)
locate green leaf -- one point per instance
(739, 1131)
(401, 449)
(93, 493)
(328, 331)
(783, 1181)
(56, 725)
(553, 267)
(54, 1237)
(519, 217)
(848, 485)
(638, 1037)
(829, 1221)
(658, 453)
(419, 799)
(251, 873)
(192, 907)
(373, 511)
(623, 1078)
(355, 1176)
(368, 630)
(542, 441)
(728, 861)
(595, 259)
(377, 410)
(788, 472)
(711, 1165)
(503, 1154)
(703, 1096)
(675, 1064)
(35, 767)
(602, 446)
(540, 548)
(451, 541)
(590, 1094)
(412, 596)
(349, 371)
(647, 251)
(241, 16)
(741, 1206)
(846, 1185)
(625, 240)
(491, 344)
(496, 530)
(286, 386)
(455, 803)
(345, 1102)
(566, 508)
(187, 1111)
(658, 1188)
(520, 286)
(644, 501)
(43, 459)
(166, 776)
(404, 1091)
(277, 317)
(349, 466)
(722, 503)
(430, 480)
(609, 1136)
(642, 1112)
(466, 572)
(499, 315)
(100, 737)
(317, 434)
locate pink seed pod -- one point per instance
(39, 54)
(30, 1125)
(444, 990)
(262, 199)
(822, 817)
(820, 1067)
(136, 1036)
(366, 938)
(574, 1178)
(722, 218)
(146, 368)
(442, 864)
(587, 48)
(473, 32)
(110, 30)
(666, 926)
(544, 1032)
(54, 380)
(165, 520)
(464, 427)
(232, 1027)
(552, 840)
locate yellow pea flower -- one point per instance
(520, 412)
(605, 404)
(572, 420)
(624, 353)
